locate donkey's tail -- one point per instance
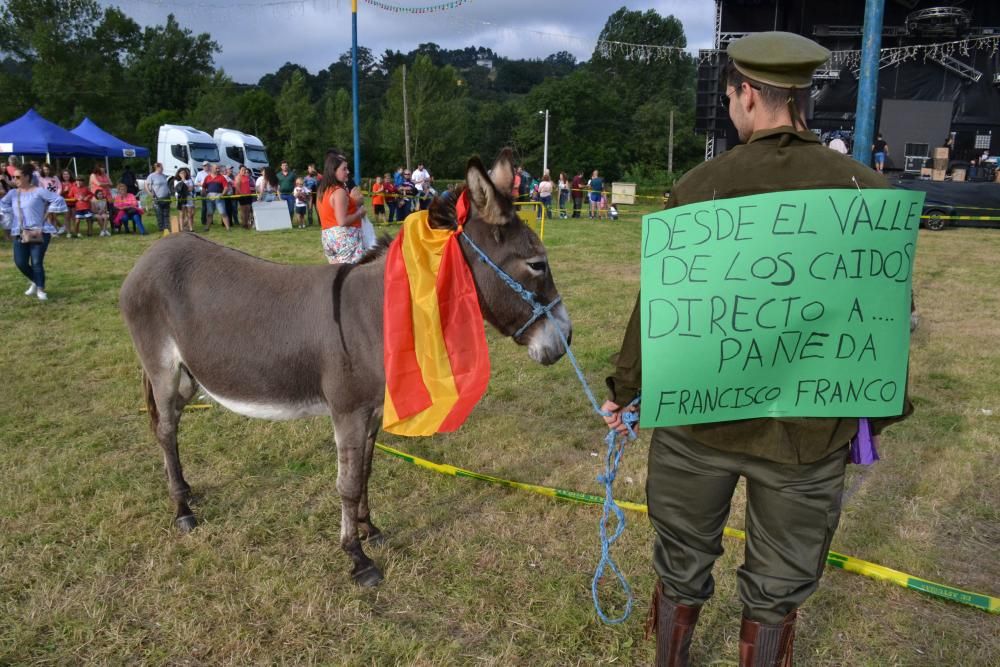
(154, 414)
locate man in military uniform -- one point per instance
(794, 467)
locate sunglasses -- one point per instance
(726, 98)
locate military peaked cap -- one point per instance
(781, 59)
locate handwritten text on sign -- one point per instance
(777, 305)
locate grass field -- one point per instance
(92, 571)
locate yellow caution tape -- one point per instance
(960, 217)
(844, 562)
(986, 603)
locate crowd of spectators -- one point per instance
(92, 204)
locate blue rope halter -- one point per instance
(614, 441)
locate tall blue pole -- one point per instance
(354, 89)
(864, 115)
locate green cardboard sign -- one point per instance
(786, 304)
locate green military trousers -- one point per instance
(791, 515)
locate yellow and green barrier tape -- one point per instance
(842, 561)
(960, 217)
(981, 601)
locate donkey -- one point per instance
(310, 337)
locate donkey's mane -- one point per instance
(377, 251)
(442, 216)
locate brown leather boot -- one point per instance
(673, 624)
(763, 645)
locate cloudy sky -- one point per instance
(258, 36)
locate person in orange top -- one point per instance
(339, 214)
(378, 199)
(80, 195)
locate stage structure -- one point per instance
(939, 75)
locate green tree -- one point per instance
(299, 123)
(258, 115)
(648, 84)
(338, 120)
(167, 64)
(438, 118)
(214, 103)
(66, 58)
(587, 129)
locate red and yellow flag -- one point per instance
(437, 364)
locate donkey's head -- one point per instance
(493, 225)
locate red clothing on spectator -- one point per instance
(82, 197)
(244, 185)
(215, 184)
(67, 192)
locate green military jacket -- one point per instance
(772, 160)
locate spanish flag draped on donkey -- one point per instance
(437, 364)
(794, 466)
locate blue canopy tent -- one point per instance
(112, 145)
(33, 135)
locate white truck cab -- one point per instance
(184, 146)
(237, 149)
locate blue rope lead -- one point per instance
(615, 443)
(615, 447)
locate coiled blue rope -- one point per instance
(615, 443)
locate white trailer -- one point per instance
(237, 149)
(184, 146)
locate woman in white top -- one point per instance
(24, 209)
(545, 195)
(563, 194)
(267, 185)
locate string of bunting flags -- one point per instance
(851, 59)
(429, 9)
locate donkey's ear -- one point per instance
(503, 171)
(482, 192)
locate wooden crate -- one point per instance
(937, 174)
(942, 153)
(958, 174)
(925, 172)
(941, 163)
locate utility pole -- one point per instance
(354, 89)
(670, 145)
(864, 115)
(406, 121)
(545, 151)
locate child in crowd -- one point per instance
(389, 195)
(602, 207)
(128, 210)
(613, 212)
(99, 209)
(302, 197)
(67, 186)
(81, 196)
(184, 189)
(311, 180)
(378, 199)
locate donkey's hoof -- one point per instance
(186, 523)
(368, 577)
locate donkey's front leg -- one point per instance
(366, 529)
(350, 431)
